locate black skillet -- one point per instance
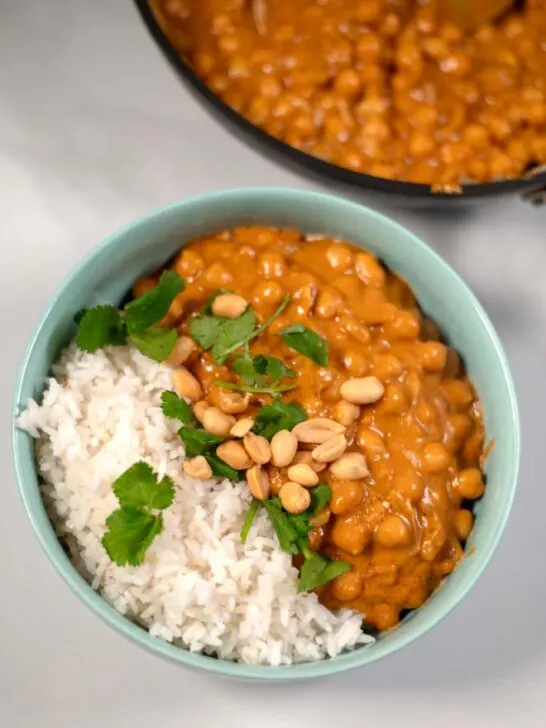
(531, 187)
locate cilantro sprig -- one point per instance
(108, 326)
(259, 374)
(134, 525)
(292, 532)
(224, 336)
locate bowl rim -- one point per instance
(528, 183)
(55, 553)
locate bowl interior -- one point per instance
(109, 271)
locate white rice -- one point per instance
(199, 586)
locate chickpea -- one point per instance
(392, 532)
(459, 393)
(435, 458)
(347, 83)
(347, 586)
(432, 355)
(463, 522)
(386, 367)
(355, 361)
(350, 535)
(346, 495)
(271, 264)
(469, 484)
(189, 264)
(385, 616)
(394, 400)
(329, 303)
(409, 484)
(216, 276)
(421, 144)
(371, 442)
(369, 47)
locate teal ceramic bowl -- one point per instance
(108, 272)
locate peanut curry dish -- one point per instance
(413, 90)
(313, 375)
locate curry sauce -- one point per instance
(403, 526)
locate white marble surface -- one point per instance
(94, 130)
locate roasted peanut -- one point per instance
(257, 447)
(186, 384)
(229, 305)
(303, 474)
(233, 403)
(321, 518)
(197, 468)
(182, 351)
(351, 466)
(294, 497)
(234, 454)
(346, 413)
(242, 426)
(305, 457)
(362, 391)
(258, 482)
(317, 430)
(284, 445)
(217, 422)
(199, 409)
(330, 450)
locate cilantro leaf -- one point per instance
(274, 368)
(307, 342)
(174, 406)
(317, 571)
(149, 309)
(320, 496)
(279, 415)
(130, 532)
(287, 535)
(245, 368)
(99, 327)
(222, 469)
(249, 520)
(232, 334)
(155, 342)
(204, 329)
(138, 487)
(198, 442)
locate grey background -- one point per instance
(94, 130)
